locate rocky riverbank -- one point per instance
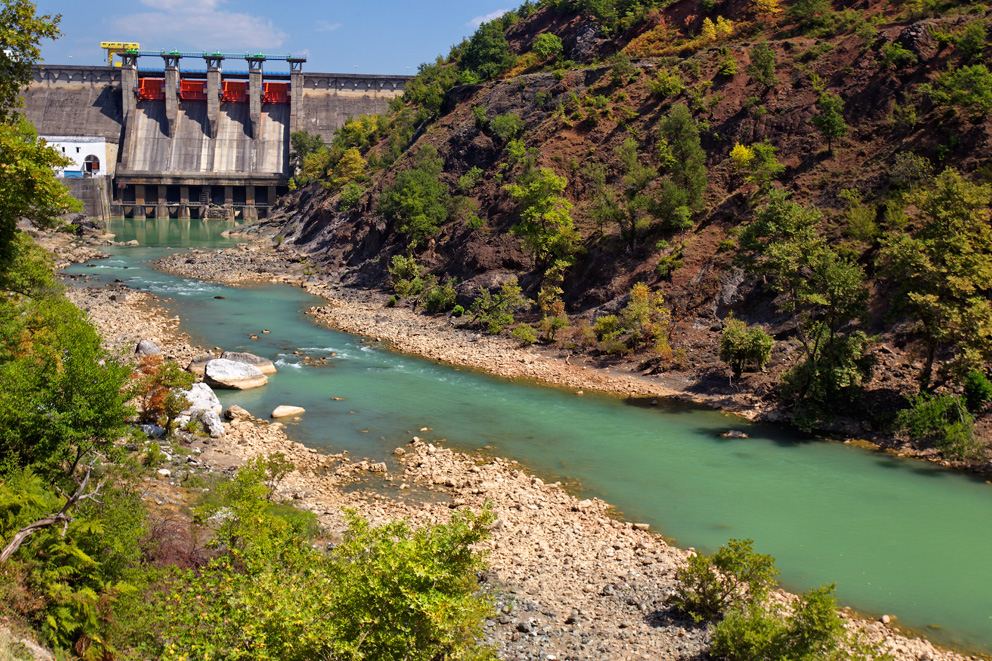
(574, 583)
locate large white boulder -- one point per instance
(222, 373)
(264, 364)
(201, 397)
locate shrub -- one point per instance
(709, 585)
(548, 46)
(404, 272)
(894, 55)
(813, 631)
(457, 311)
(487, 54)
(967, 88)
(524, 334)
(350, 194)
(667, 83)
(440, 298)
(977, 390)
(741, 346)
(762, 66)
(468, 181)
(944, 420)
(418, 201)
(495, 311)
(506, 127)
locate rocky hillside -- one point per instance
(851, 108)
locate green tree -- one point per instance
(301, 145)
(495, 311)
(545, 221)
(741, 347)
(813, 631)
(829, 118)
(945, 270)
(762, 66)
(710, 585)
(633, 207)
(823, 290)
(506, 127)
(548, 46)
(418, 201)
(809, 14)
(21, 30)
(28, 187)
(488, 54)
(63, 396)
(684, 165)
(968, 88)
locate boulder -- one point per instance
(263, 364)
(153, 431)
(198, 365)
(235, 412)
(201, 397)
(733, 433)
(287, 411)
(221, 373)
(212, 423)
(147, 348)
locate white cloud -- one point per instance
(324, 26)
(479, 20)
(198, 25)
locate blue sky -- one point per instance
(376, 36)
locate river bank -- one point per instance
(576, 582)
(447, 339)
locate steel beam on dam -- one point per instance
(197, 143)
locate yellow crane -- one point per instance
(113, 47)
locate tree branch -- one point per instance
(63, 516)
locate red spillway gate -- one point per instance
(275, 92)
(235, 90)
(193, 90)
(151, 89)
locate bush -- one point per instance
(506, 127)
(944, 420)
(548, 45)
(667, 83)
(524, 334)
(813, 631)
(977, 390)
(487, 54)
(350, 194)
(440, 298)
(709, 585)
(741, 346)
(468, 181)
(494, 311)
(418, 201)
(967, 88)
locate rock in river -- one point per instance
(264, 364)
(221, 373)
(287, 411)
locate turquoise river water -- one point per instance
(897, 536)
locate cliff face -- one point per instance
(875, 58)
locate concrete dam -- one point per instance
(191, 143)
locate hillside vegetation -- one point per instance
(786, 199)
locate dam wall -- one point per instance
(211, 153)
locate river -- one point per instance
(898, 536)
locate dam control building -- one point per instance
(182, 140)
